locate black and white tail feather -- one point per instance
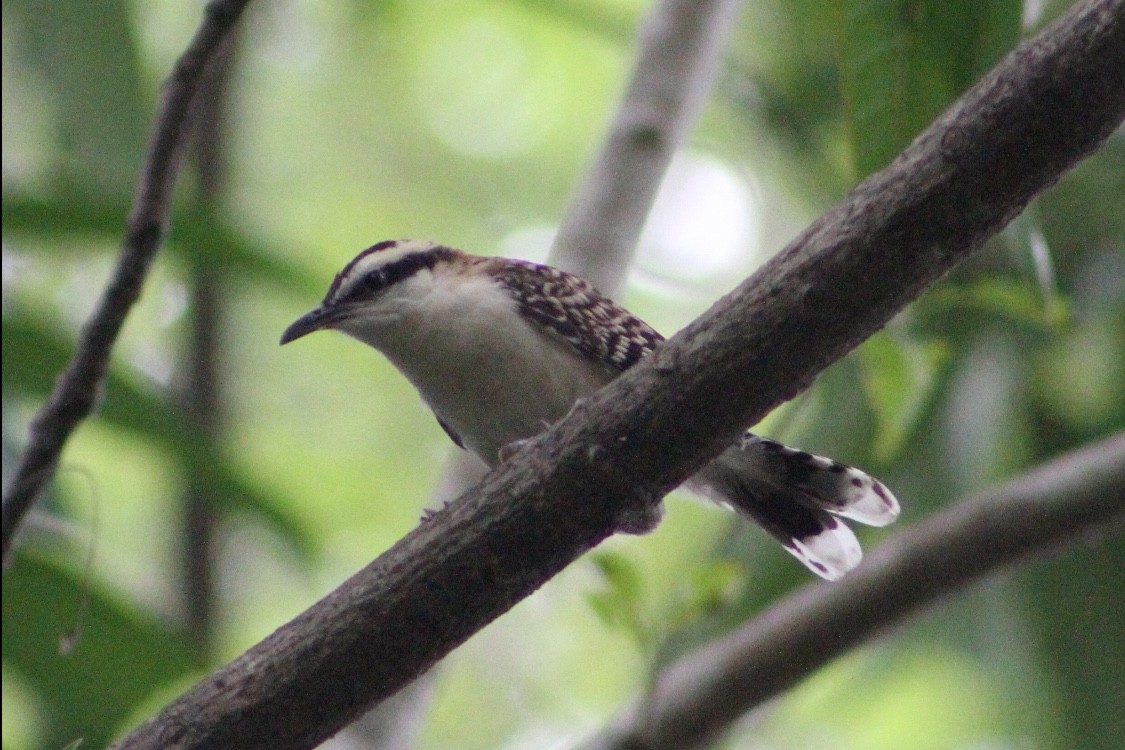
(500, 347)
(800, 499)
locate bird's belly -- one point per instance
(507, 391)
(494, 388)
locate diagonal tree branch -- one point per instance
(699, 696)
(1055, 99)
(78, 389)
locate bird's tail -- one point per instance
(799, 498)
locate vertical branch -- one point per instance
(78, 389)
(680, 48)
(202, 409)
(202, 385)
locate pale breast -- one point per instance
(492, 377)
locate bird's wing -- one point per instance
(572, 310)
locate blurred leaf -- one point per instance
(899, 377)
(609, 609)
(1075, 616)
(119, 655)
(922, 699)
(197, 236)
(1080, 377)
(1025, 232)
(988, 435)
(621, 575)
(622, 604)
(903, 61)
(598, 19)
(72, 212)
(1014, 301)
(714, 585)
(85, 51)
(34, 354)
(1083, 215)
(703, 605)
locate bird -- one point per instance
(500, 348)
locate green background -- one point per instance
(471, 123)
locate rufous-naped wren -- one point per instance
(499, 348)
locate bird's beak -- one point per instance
(319, 318)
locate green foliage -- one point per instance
(1073, 610)
(656, 624)
(903, 61)
(470, 122)
(620, 603)
(198, 236)
(85, 55)
(34, 352)
(1015, 301)
(89, 658)
(900, 376)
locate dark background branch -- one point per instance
(1051, 102)
(203, 395)
(1075, 496)
(78, 389)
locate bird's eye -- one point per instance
(375, 280)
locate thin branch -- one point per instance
(202, 394)
(1054, 100)
(78, 389)
(680, 48)
(698, 697)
